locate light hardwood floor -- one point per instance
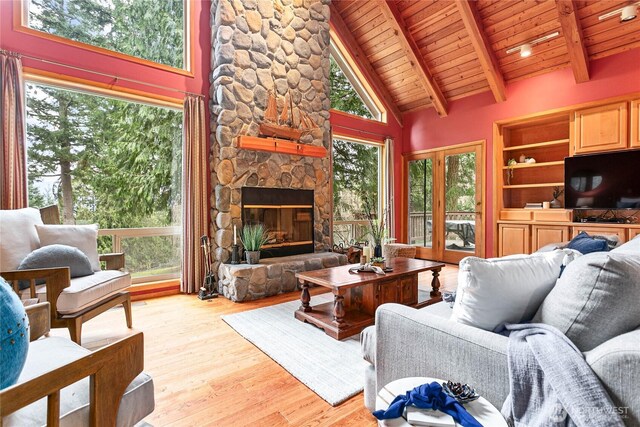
(205, 374)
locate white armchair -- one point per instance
(73, 301)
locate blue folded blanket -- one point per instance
(428, 396)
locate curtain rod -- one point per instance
(47, 61)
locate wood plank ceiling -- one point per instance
(429, 52)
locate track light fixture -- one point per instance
(627, 13)
(526, 49)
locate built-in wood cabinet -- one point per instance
(550, 137)
(634, 124)
(601, 128)
(527, 237)
(542, 235)
(514, 239)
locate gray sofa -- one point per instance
(406, 342)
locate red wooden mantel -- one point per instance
(283, 146)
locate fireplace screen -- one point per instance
(286, 214)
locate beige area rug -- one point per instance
(333, 369)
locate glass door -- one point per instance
(445, 204)
(420, 220)
(462, 203)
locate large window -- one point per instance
(350, 91)
(112, 162)
(154, 30)
(357, 186)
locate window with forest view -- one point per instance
(111, 162)
(343, 96)
(356, 183)
(147, 29)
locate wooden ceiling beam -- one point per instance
(487, 57)
(572, 31)
(341, 29)
(394, 18)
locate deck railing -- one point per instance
(417, 223)
(151, 253)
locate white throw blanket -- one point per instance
(551, 383)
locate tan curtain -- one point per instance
(13, 191)
(194, 194)
(389, 184)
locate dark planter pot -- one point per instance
(377, 251)
(253, 257)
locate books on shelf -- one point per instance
(429, 417)
(533, 205)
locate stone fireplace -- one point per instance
(263, 46)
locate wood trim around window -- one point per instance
(96, 88)
(20, 15)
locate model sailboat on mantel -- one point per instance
(292, 123)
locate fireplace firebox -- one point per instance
(287, 215)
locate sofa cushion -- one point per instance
(50, 353)
(57, 256)
(368, 335)
(494, 291)
(18, 236)
(83, 237)
(597, 298)
(88, 290)
(586, 244)
(631, 247)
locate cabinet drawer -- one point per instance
(633, 232)
(515, 215)
(601, 231)
(559, 215)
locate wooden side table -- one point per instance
(481, 409)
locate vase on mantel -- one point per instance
(377, 251)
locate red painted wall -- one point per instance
(471, 119)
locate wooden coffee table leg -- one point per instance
(305, 297)
(435, 284)
(338, 309)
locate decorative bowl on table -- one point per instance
(463, 393)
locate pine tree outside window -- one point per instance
(112, 162)
(153, 30)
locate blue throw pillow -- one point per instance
(57, 256)
(14, 335)
(586, 244)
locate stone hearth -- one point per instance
(245, 282)
(261, 46)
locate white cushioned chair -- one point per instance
(73, 301)
(64, 382)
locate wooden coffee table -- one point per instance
(357, 295)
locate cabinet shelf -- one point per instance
(537, 145)
(534, 165)
(537, 185)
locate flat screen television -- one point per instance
(603, 181)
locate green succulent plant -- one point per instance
(253, 237)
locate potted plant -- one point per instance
(377, 229)
(253, 236)
(378, 261)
